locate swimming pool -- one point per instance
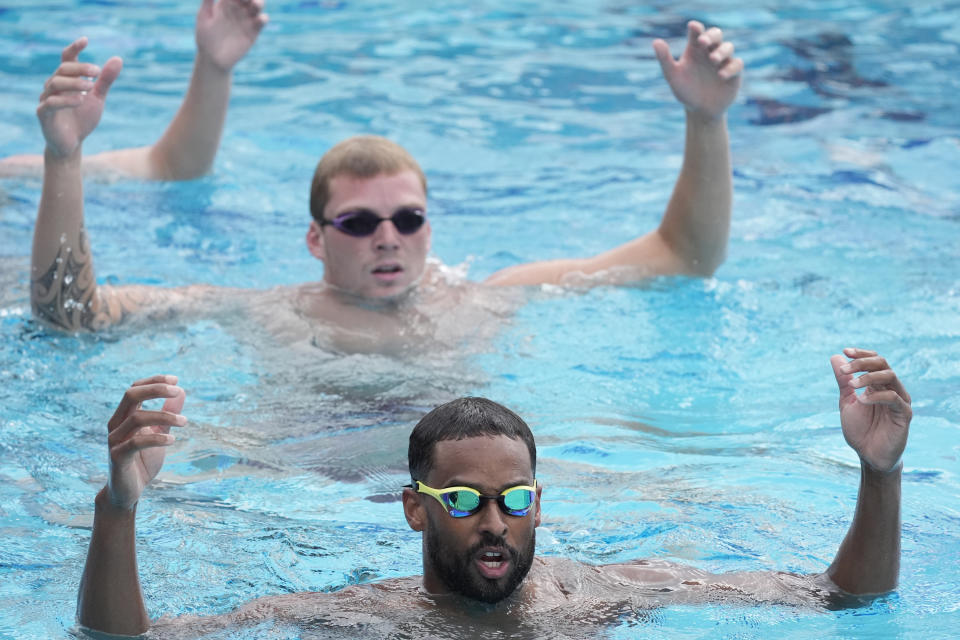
(691, 419)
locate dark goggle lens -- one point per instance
(364, 223)
(361, 223)
(408, 221)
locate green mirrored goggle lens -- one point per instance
(518, 499)
(461, 502)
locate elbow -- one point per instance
(167, 165)
(706, 267)
(860, 584)
(698, 256)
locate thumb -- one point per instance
(843, 379)
(667, 63)
(108, 74)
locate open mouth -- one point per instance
(388, 269)
(492, 564)
(387, 273)
(492, 559)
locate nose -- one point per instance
(386, 237)
(492, 519)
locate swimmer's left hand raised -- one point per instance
(875, 423)
(227, 29)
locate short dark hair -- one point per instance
(464, 418)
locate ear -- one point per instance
(315, 241)
(413, 510)
(536, 513)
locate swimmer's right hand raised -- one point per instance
(71, 103)
(138, 438)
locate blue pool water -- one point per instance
(693, 420)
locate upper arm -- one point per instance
(645, 257)
(137, 162)
(74, 309)
(685, 584)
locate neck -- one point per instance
(384, 304)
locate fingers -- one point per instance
(258, 13)
(132, 429)
(73, 79)
(72, 50)
(139, 442)
(154, 423)
(877, 377)
(70, 84)
(251, 7)
(694, 31)
(890, 398)
(160, 386)
(254, 9)
(710, 38)
(69, 76)
(717, 51)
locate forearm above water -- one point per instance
(62, 284)
(110, 599)
(697, 220)
(868, 561)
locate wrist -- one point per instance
(106, 507)
(704, 119)
(68, 159)
(205, 64)
(873, 475)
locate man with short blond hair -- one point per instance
(371, 230)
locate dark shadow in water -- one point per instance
(828, 68)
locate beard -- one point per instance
(460, 575)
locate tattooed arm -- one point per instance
(63, 289)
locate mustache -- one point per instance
(488, 540)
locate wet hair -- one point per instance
(460, 419)
(360, 157)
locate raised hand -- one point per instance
(876, 422)
(71, 103)
(707, 77)
(226, 30)
(138, 438)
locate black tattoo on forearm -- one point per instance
(66, 295)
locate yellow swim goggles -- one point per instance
(461, 502)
